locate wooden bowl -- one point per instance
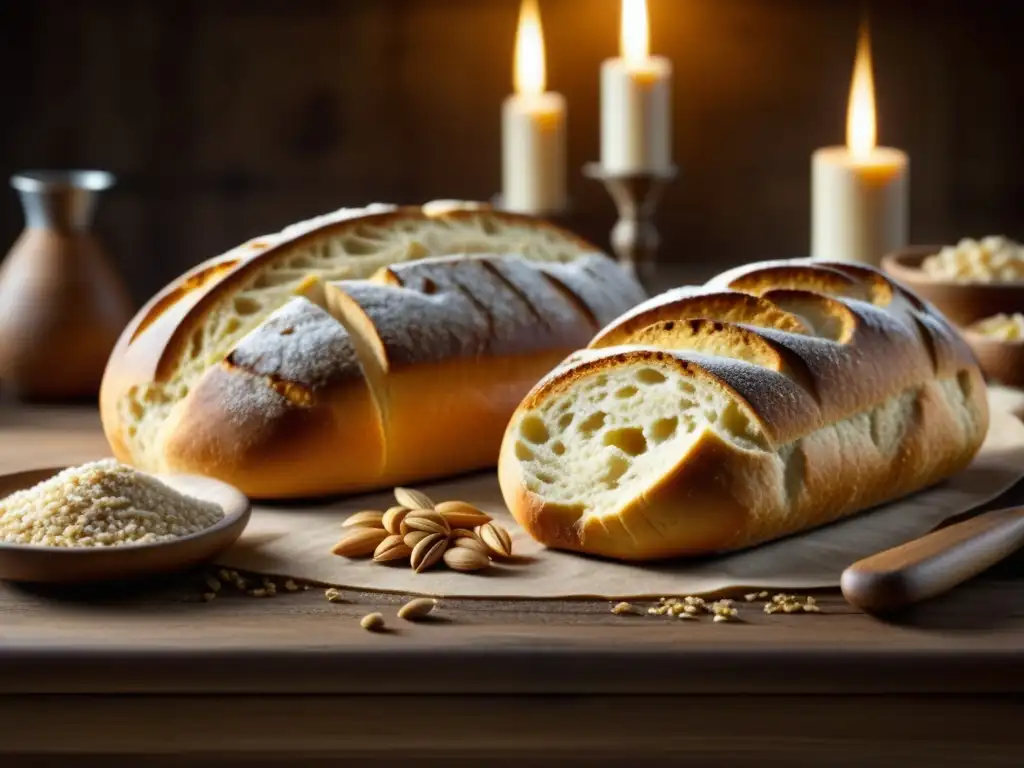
(961, 301)
(73, 565)
(1001, 361)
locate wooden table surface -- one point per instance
(152, 669)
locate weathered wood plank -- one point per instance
(429, 730)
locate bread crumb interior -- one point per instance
(598, 443)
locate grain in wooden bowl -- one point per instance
(967, 282)
(106, 522)
(998, 343)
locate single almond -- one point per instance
(392, 548)
(413, 499)
(367, 519)
(428, 552)
(361, 542)
(496, 538)
(417, 609)
(465, 559)
(459, 514)
(372, 621)
(426, 520)
(412, 538)
(392, 519)
(468, 540)
(403, 527)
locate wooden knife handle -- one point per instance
(935, 563)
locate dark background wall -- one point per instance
(228, 118)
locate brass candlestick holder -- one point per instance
(635, 239)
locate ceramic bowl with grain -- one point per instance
(963, 302)
(966, 302)
(1001, 360)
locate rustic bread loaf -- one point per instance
(777, 398)
(363, 349)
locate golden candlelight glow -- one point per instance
(635, 31)
(529, 75)
(860, 116)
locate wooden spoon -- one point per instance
(935, 563)
(72, 565)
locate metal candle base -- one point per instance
(635, 239)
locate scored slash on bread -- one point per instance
(710, 419)
(363, 349)
(686, 303)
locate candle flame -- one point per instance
(635, 31)
(860, 116)
(529, 74)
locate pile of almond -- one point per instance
(453, 532)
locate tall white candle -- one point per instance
(533, 128)
(861, 192)
(636, 101)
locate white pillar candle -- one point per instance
(860, 193)
(860, 205)
(636, 101)
(533, 153)
(533, 128)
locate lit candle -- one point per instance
(636, 101)
(860, 192)
(533, 127)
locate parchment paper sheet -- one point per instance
(290, 540)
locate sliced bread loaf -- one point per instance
(196, 320)
(701, 430)
(409, 374)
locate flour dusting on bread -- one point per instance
(301, 343)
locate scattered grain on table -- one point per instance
(374, 622)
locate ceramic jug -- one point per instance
(62, 304)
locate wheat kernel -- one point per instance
(417, 608)
(372, 621)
